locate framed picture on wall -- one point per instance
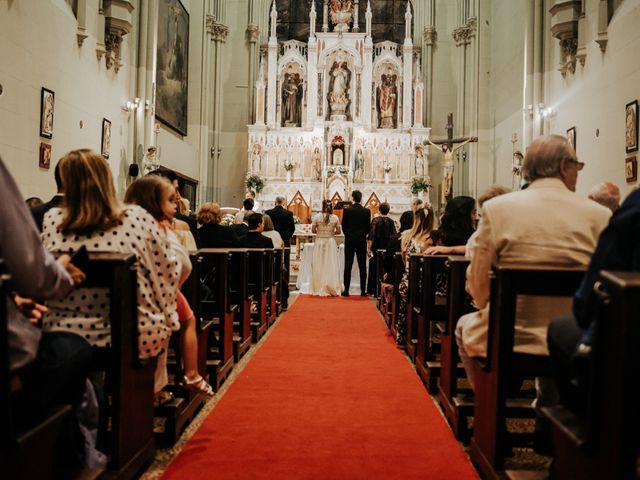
(173, 65)
(47, 100)
(571, 136)
(631, 169)
(631, 126)
(106, 138)
(44, 159)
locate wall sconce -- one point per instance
(529, 110)
(546, 112)
(131, 105)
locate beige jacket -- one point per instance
(546, 223)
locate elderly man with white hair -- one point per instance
(546, 223)
(606, 194)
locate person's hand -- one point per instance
(76, 274)
(437, 250)
(30, 309)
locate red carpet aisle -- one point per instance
(328, 396)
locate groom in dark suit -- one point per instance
(356, 221)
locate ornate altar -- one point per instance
(338, 113)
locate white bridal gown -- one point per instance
(325, 271)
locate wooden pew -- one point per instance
(241, 298)
(179, 412)
(455, 408)
(380, 255)
(489, 440)
(604, 444)
(271, 285)
(391, 304)
(258, 288)
(414, 312)
(434, 310)
(219, 310)
(26, 451)
(278, 279)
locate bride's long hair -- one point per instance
(327, 210)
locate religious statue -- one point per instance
(387, 101)
(341, 12)
(256, 159)
(447, 149)
(339, 88)
(420, 167)
(358, 166)
(291, 100)
(317, 164)
(151, 160)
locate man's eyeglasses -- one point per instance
(579, 165)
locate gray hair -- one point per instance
(606, 194)
(544, 157)
(280, 200)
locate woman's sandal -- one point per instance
(199, 385)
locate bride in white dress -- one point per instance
(325, 271)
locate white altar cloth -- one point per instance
(304, 274)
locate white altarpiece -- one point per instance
(340, 112)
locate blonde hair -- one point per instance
(492, 192)
(268, 223)
(421, 230)
(90, 201)
(148, 192)
(209, 212)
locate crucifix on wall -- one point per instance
(448, 147)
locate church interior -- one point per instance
(301, 112)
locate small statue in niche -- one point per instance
(317, 164)
(387, 101)
(291, 100)
(420, 166)
(338, 157)
(256, 159)
(358, 166)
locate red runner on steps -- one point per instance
(328, 396)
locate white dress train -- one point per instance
(325, 269)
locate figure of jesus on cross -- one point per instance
(447, 148)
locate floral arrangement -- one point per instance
(340, 169)
(420, 184)
(254, 182)
(296, 220)
(289, 165)
(227, 220)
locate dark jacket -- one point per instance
(240, 229)
(618, 249)
(213, 235)
(382, 229)
(257, 240)
(356, 221)
(282, 223)
(39, 211)
(393, 247)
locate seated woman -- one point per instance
(269, 231)
(456, 226)
(91, 215)
(158, 197)
(416, 240)
(212, 234)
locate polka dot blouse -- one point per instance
(85, 311)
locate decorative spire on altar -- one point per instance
(274, 20)
(407, 22)
(368, 15)
(312, 20)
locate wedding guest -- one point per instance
(158, 197)
(270, 232)
(393, 247)
(413, 241)
(39, 211)
(382, 228)
(247, 208)
(254, 237)
(606, 194)
(456, 227)
(33, 202)
(212, 233)
(91, 215)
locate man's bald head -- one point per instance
(606, 194)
